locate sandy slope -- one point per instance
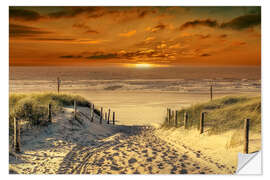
(91, 148)
(211, 150)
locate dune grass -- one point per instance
(33, 108)
(225, 114)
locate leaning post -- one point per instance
(246, 135)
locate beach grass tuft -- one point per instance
(33, 108)
(224, 114)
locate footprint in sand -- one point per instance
(132, 160)
(144, 151)
(183, 171)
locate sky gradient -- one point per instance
(165, 36)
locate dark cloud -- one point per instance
(102, 56)
(159, 28)
(68, 12)
(205, 55)
(70, 57)
(96, 12)
(23, 14)
(243, 22)
(114, 55)
(195, 23)
(143, 13)
(238, 23)
(16, 30)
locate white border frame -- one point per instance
(5, 72)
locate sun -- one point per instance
(143, 65)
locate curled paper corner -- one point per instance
(249, 163)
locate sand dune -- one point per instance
(91, 148)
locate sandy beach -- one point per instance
(137, 144)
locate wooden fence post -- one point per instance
(202, 122)
(101, 115)
(170, 113)
(167, 116)
(58, 84)
(246, 135)
(176, 118)
(185, 120)
(173, 117)
(50, 113)
(16, 136)
(92, 114)
(106, 117)
(75, 109)
(211, 92)
(109, 113)
(113, 118)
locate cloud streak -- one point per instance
(195, 23)
(16, 30)
(238, 23)
(24, 15)
(243, 22)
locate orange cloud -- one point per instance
(128, 34)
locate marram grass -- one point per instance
(33, 108)
(225, 114)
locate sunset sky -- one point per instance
(163, 36)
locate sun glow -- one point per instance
(143, 65)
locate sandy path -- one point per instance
(104, 149)
(135, 151)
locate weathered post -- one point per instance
(202, 122)
(101, 114)
(92, 116)
(211, 92)
(172, 121)
(246, 135)
(109, 113)
(185, 120)
(58, 84)
(16, 130)
(108, 120)
(176, 118)
(50, 113)
(105, 116)
(113, 118)
(167, 116)
(75, 109)
(170, 114)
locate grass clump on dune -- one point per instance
(225, 114)
(33, 108)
